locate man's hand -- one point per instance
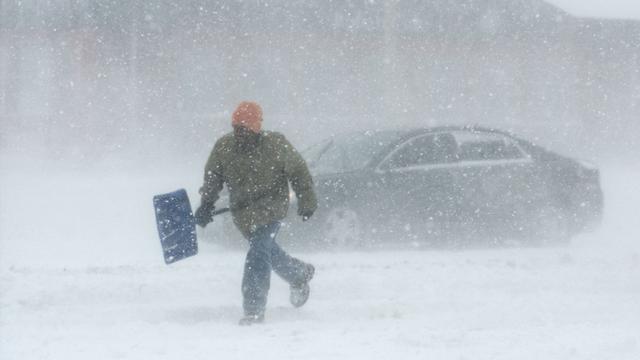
(306, 214)
(204, 214)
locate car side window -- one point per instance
(479, 148)
(424, 150)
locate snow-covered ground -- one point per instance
(81, 277)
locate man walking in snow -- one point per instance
(257, 167)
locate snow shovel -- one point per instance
(176, 225)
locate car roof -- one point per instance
(408, 133)
(471, 128)
(404, 134)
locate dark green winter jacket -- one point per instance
(258, 180)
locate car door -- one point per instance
(414, 183)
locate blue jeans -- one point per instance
(265, 254)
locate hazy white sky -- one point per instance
(628, 9)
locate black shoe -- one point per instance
(248, 320)
(300, 292)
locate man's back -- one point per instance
(257, 178)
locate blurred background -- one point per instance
(106, 103)
(94, 81)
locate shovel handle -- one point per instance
(220, 211)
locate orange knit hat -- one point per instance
(249, 115)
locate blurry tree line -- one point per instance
(86, 78)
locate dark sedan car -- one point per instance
(444, 185)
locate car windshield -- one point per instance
(348, 152)
(361, 147)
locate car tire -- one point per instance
(342, 229)
(546, 225)
(223, 231)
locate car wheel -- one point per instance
(343, 229)
(222, 231)
(547, 224)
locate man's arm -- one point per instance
(300, 178)
(210, 190)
